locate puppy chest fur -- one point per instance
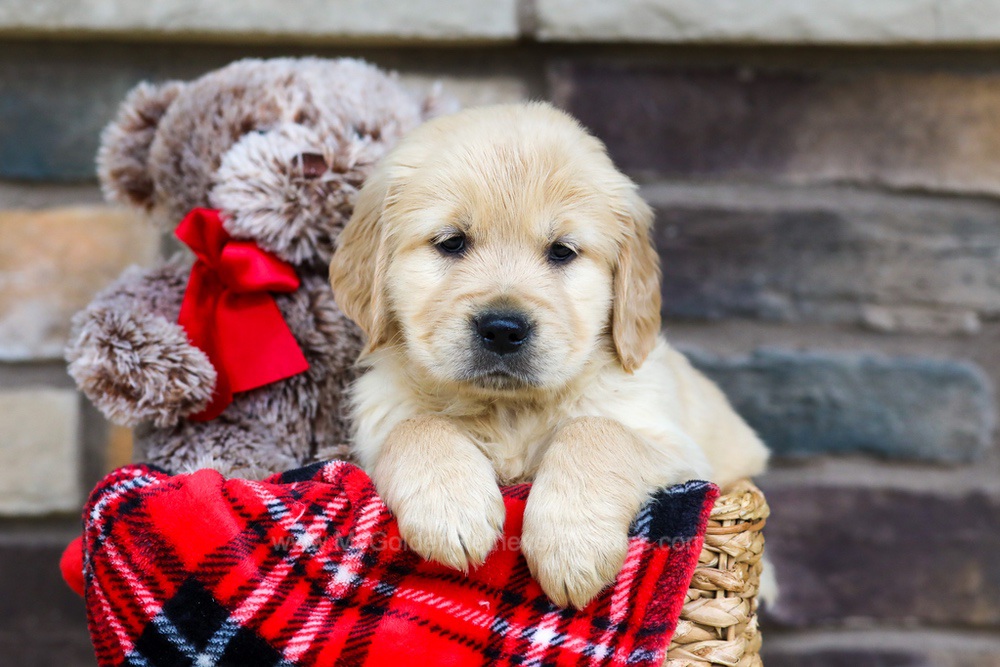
(666, 401)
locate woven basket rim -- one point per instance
(718, 623)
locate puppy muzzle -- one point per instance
(501, 350)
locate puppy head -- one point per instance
(502, 250)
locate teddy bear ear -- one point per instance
(123, 158)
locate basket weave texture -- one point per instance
(718, 624)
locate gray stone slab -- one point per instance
(814, 403)
(42, 622)
(890, 263)
(854, 22)
(912, 129)
(55, 97)
(347, 20)
(847, 556)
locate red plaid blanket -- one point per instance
(307, 568)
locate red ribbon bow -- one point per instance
(229, 314)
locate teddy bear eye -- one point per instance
(561, 253)
(452, 245)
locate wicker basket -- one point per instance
(718, 625)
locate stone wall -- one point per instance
(825, 177)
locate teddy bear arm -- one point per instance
(130, 357)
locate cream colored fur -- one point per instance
(605, 412)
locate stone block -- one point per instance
(380, 21)
(890, 263)
(881, 647)
(850, 556)
(52, 262)
(926, 130)
(39, 451)
(815, 403)
(42, 622)
(848, 22)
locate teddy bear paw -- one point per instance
(139, 368)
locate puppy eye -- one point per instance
(561, 253)
(452, 245)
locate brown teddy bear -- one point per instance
(237, 359)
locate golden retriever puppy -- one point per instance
(503, 272)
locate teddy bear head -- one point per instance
(279, 146)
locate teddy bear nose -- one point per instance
(313, 165)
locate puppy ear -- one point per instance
(123, 158)
(635, 314)
(357, 270)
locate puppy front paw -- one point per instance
(456, 525)
(573, 556)
(443, 491)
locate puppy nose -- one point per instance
(502, 333)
